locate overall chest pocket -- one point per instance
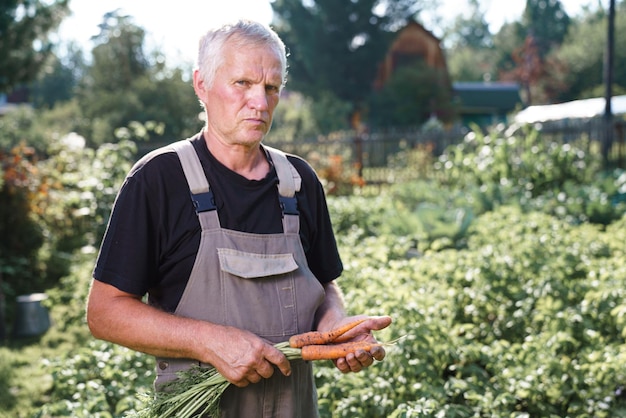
(259, 292)
(253, 266)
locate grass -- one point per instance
(24, 381)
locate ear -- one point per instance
(198, 85)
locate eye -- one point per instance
(272, 88)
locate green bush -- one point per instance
(505, 275)
(526, 321)
(523, 161)
(54, 207)
(6, 376)
(427, 216)
(601, 201)
(22, 236)
(99, 380)
(83, 183)
(524, 168)
(20, 126)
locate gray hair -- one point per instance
(211, 46)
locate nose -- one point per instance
(258, 99)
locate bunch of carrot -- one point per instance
(198, 391)
(329, 345)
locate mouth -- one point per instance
(256, 121)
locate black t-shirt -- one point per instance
(154, 233)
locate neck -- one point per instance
(246, 160)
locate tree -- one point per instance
(124, 85)
(411, 96)
(583, 52)
(118, 57)
(470, 29)
(510, 37)
(58, 79)
(525, 51)
(299, 117)
(471, 55)
(335, 46)
(547, 22)
(24, 43)
(469, 64)
(105, 94)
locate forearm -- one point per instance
(240, 356)
(125, 320)
(332, 314)
(332, 310)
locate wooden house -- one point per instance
(474, 102)
(413, 44)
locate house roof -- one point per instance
(413, 40)
(487, 96)
(576, 109)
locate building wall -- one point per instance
(412, 44)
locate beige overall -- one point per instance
(257, 282)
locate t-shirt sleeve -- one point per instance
(321, 250)
(151, 216)
(126, 261)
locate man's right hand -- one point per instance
(243, 358)
(122, 318)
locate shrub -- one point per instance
(52, 208)
(519, 312)
(523, 161)
(527, 320)
(524, 168)
(100, 380)
(22, 236)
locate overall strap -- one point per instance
(201, 194)
(289, 182)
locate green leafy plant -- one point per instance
(523, 161)
(510, 297)
(521, 321)
(100, 379)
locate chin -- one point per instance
(255, 137)
(251, 141)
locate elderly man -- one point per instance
(231, 241)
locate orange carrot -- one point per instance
(344, 338)
(319, 337)
(335, 351)
(347, 337)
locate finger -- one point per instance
(276, 357)
(254, 377)
(379, 322)
(241, 383)
(378, 353)
(364, 358)
(372, 323)
(353, 362)
(342, 365)
(265, 370)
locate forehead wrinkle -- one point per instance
(257, 71)
(238, 41)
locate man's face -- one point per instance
(240, 104)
